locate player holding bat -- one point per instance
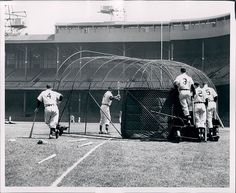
(105, 110)
(50, 99)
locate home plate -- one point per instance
(89, 143)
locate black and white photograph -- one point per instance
(117, 96)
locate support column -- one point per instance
(203, 54)
(172, 51)
(26, 61)
(124, 54)
(80, 79)
(169, 43)
(58, 59)
(123, 49)
(80, 56)
(161, 42)
(169, 52)
(24, 103)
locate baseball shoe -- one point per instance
(50, 136)
(107, 132)
(57, 134)
(100, 132)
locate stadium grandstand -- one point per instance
(32, 61)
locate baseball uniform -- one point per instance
(199, 100)
(105, 108)
(211, 108)
(50, 100)
(184, 83)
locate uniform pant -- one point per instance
(51, 115)
(211, 108)
(200, 115)
(185, 100)
(105, 115)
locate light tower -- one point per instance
(110, 10)
(14, 21)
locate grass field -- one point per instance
(111, 162)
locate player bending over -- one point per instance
(50, 99)
(105, 110)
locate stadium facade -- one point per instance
(32, 61)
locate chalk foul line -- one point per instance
(58, 180)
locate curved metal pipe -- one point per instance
(77, 71)
(113, 69)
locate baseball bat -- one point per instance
(218, 117)
(31, 131)
(193, 107)
(206, 130)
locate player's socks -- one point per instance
(100, 130)
(107, 129)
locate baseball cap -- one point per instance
(182, 70)
(48, 86)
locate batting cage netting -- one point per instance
(146, 106)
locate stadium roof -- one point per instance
(118, 23)
(32, 38)
(115, 23)
(50, 38)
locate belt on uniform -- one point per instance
(184, 89)
(49, 105)
(198, 102)
(106, 105)
(211, 101)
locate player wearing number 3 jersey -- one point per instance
(50, 99)
(184, 83)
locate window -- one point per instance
(186, 26)
(10, 60)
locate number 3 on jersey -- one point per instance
(184, 81)
(49, 96)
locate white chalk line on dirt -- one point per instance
(58, 180)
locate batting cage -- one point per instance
(148, 102)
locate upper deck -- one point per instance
(95, 32)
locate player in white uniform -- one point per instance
(184, 83)
(50, 99)
(211, 108)
(105, 110)
(199, 111)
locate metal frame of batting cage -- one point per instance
(89, 95)
(144, 67)
(64, 74)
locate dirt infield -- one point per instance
(111, 162)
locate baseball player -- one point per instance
(184, 83)
(105, 110)
(211, 108)
(50, 99)
(199, 111)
